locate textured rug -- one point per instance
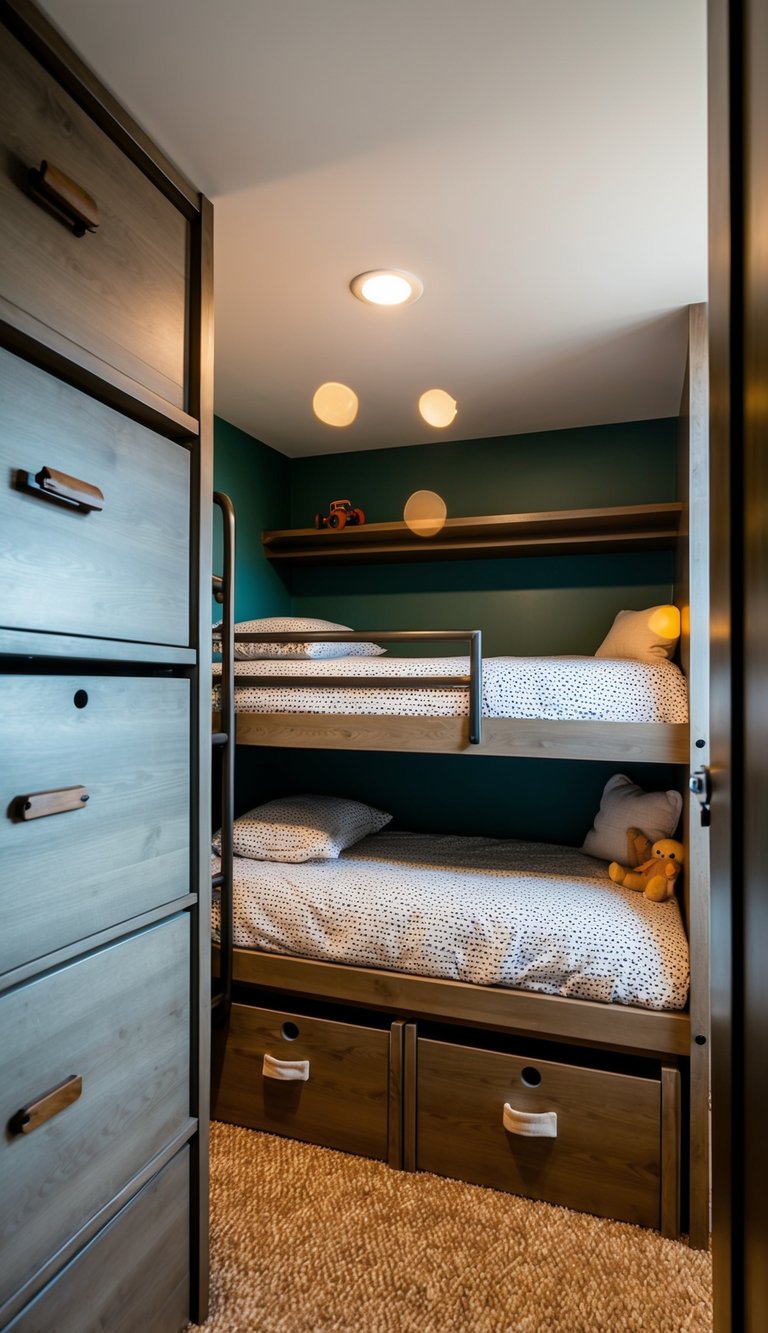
(306, 1239)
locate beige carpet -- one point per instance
(306, 1239)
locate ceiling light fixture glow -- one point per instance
(437, 408)
(387, 286)
(335, 404)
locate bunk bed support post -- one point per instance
(692, 596)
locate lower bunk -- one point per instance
(571, 1090)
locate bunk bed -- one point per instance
(453, 705)
(414, 1068)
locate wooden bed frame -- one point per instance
(678, 1039)
(624, 742)
(613, 1027)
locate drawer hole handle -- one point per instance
(290, 1031)
(46, 1107)
(38, 804)
(530, 1076)
(61, 488)
(80, 699)
(70, 203)
(530, 1124)
(285, 1071)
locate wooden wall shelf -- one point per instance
(558, 532)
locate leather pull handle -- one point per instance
(60, 487)
(46, 1107)
(72, 204)
(38, 804)
(286, 1071)
(72, 489)
(530, 1124)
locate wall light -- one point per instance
(387, 286)
(335, 404)
(437, 408)
(425, 513)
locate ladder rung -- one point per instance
(217, 880)
(219, 738)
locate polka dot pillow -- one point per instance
(294, 625)
(303, 828)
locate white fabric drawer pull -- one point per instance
(289, 1071)
(531, 1124)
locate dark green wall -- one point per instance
(542, 605)
(547, 604)
(257, 479)
(525, 607)
(632, 463)
(540, 799)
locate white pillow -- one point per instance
(303, 828)
(624, 805)
(294, 624)
(644, 636)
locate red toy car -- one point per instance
(341, 515)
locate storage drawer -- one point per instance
(133, 1276)
(123, 851)
(605, 1158)
(342, 1104)
(120, 571)
(119, 292)
(115, 1019)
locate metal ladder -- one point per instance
(224, 745)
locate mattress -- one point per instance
(525, 915)
(554, 688)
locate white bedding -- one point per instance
(527, 915)
(554, 688)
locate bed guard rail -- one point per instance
(473, 683)
(224, 744)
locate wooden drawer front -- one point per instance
(120, 572)
(116, 1019)
(605, 1158)
(134, 1275)
(343, 1104)
(119, 292)
(125, 850)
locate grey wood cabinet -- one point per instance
(105, 495)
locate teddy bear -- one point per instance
(655, 876)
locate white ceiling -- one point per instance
(540, 164)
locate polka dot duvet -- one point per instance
(554, 688)
(532, 916)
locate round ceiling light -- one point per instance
(387, 286)
(437, 408)
(335, 404)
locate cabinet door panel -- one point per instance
(119, 571)
(119, 292)
(118, 1020)
(123, 851)
(134, 1275)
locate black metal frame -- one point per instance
(224, 742)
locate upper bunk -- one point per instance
(456, 705)
(314, 709)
